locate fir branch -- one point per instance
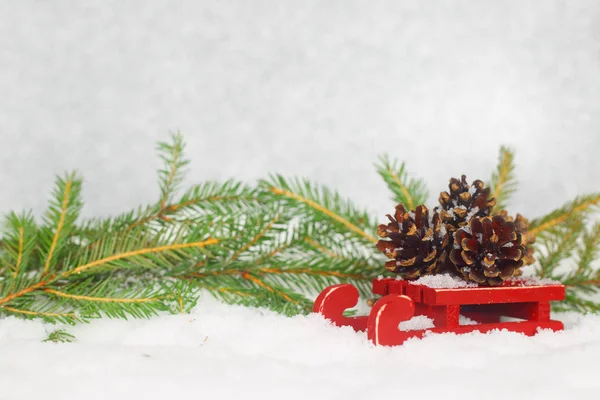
(107, 297)
(100, 299)
(171, 175)
(260, 283)
(304, 196)
(408, 191)
(59, 336)
(248, 293)
(321, 248)
(589, 249)
(20, 239)
(59, 220)
(583, 282)
(112, 260)
(209, 197)
(558, 245)
(62, 316)
(504, 182)
(573, 302)
(256, 237)
(580, 207)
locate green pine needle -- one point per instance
(504, 182)
(171, 174)
(580, 207)
(59, 336)
(274, 245)
(408, 191)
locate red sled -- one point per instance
(486, 308)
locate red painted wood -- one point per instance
(334, 300)
(380, 286)
(396, 287)
(385, 286)
(446, 316)
(386, 315)
(533, 311)
(415, 292)
(481, 295)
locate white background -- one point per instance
(307, 88)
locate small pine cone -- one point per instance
(522, 227)
(465, 201)
(488, 250)
(413, 241)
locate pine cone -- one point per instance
(488, 250)
(414, 241)
(464, 202)
(522, 227)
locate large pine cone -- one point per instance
(414, 241)
(488, 250)
(465, 201)
(522, 227)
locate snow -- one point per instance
(534, 281)
(442, 281)
(227, 352)
(416, 323)
(471, 213)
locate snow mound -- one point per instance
(443, 281)
(534, 281)
(226, 352)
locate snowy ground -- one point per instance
(226, 352)
(311, 88)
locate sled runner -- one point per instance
(487, 308)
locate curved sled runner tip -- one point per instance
(334, 300)
(385, 317)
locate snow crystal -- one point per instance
(472, 213)
(416, 323)
(508, 244)
(533, 281)
(462, 320)
(479, 237)
(467, 229)
(442, 281)
(472, 190)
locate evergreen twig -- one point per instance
(408, 191)
(504, 182)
